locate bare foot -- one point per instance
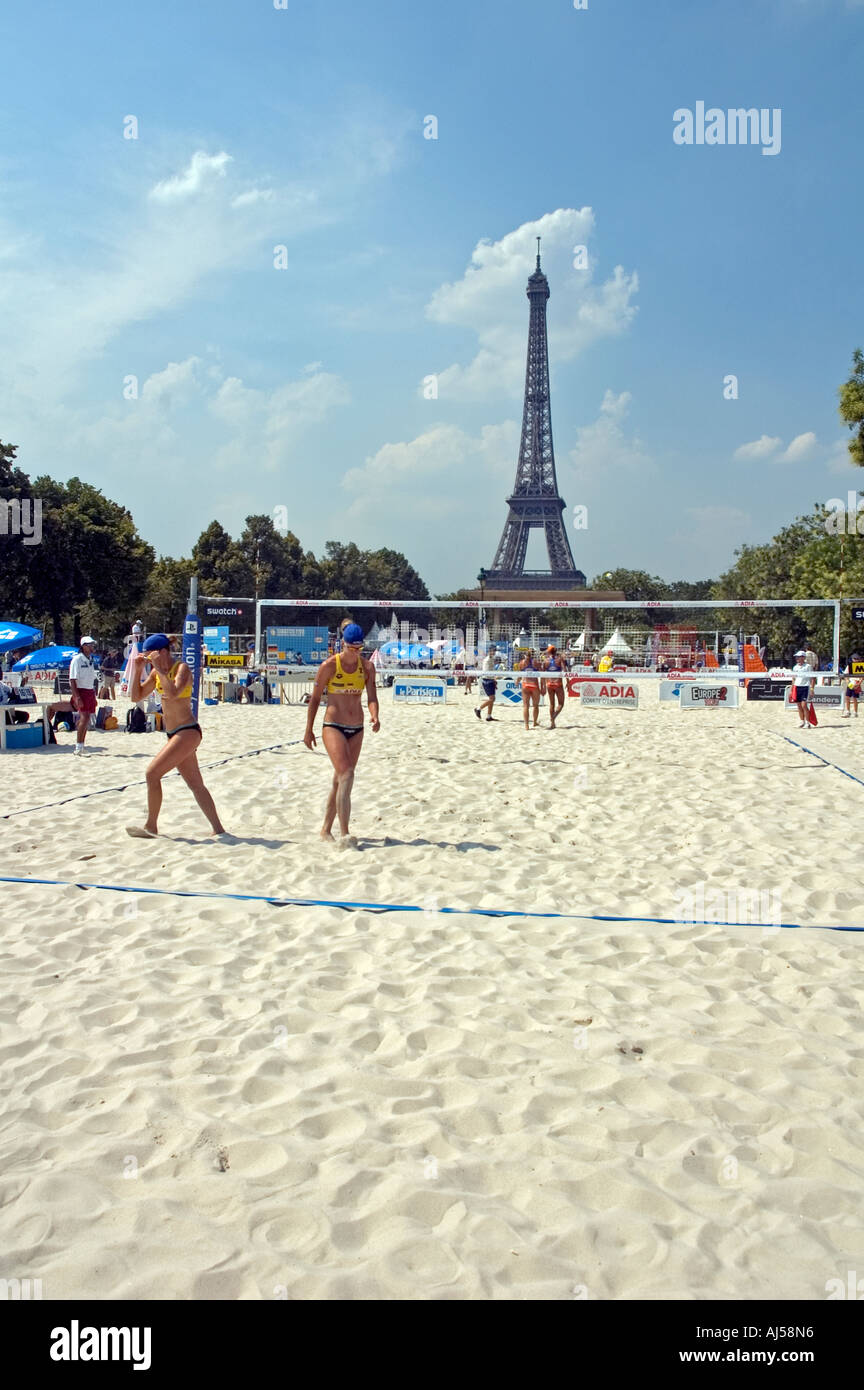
(348, 842)
(140, 832)
(327, 835)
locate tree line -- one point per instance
(92, 572)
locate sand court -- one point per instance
(216, 1098)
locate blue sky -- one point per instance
(405, 257)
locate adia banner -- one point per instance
(609, 695)
(697, 695)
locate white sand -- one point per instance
(216, 1099)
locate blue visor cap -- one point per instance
(353, 633)
(156, 643)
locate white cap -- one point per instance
(801, 653)
(85, 640)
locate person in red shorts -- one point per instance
(82, 678)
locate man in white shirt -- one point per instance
(82, 678)
(489, 686)
(803, 681)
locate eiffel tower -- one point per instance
(535, 500)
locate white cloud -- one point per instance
(490, 300)
(254, 195)
(802, 447)
(433, 473)
(173, 384)
(759, 448)
(253, 432)
(201, 170)
(839, 459)
(266, 425)
(603, 447)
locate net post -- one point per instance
(836, 655)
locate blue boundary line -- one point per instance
(346, 906)
(140, 781)
(826, 761)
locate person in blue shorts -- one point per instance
(489, 685)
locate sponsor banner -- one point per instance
(702, 695)
(857, 668)
(823, 697)
(609, 695)
(767, 690)
(216, 639)
(669, 691)
(309, 643)
(858, 615)
(192, 653)
(509, 689)
(225, 659)
(682, 676)
(226, 610)
(576, 684)
(417, 690)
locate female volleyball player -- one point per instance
(344, 677)
(554, 685)
(530, 687)
(174, 682)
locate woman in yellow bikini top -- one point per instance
(342, 733)
(346, 682)
(184, 733)
(186, 692)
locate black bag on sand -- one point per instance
(136, 721)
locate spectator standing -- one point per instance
(853, 688)
(803, 681)
(490, 686)
(82, 678)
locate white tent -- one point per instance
(617, 645)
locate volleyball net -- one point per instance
(639, 637)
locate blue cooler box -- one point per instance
(24, 736)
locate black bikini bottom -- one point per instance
(347, 730)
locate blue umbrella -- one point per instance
(396, 651)
(14, 635)
(44, 657)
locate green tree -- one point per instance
(166, 597)
(90, 552)
(219, 564)
(802, 561)
(15, 557)
(273, 562)
(851, 406)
